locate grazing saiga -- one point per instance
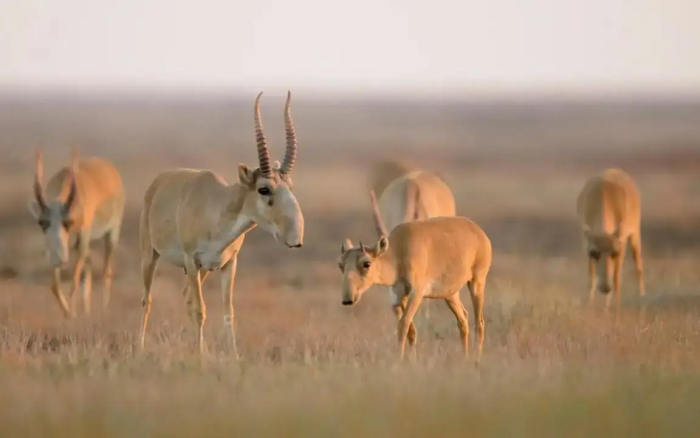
(608, 208)
(429, 258)
(86, 200)
(406, 193)
(195, 220)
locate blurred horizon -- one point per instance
(460, 97)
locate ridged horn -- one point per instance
(73, 185)
(263, 153)
(290, 154)
(38, 178)
(378, 223)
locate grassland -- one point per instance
(313, 368)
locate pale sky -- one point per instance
(430, 47)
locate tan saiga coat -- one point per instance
(194, 219)
(429, 258)
(85, 200)
(609, 210)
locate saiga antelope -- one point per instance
(430, 258)
(195, 220)
(406, 193)
(396, 185)
(87, 200)
(608, 207)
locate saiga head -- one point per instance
(55, 217)
(359, 268)
(604, 249)
(270, 202)
(359, 265)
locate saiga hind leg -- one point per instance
(460, 312)
(111, 242)
(476, 289)
(149, 263)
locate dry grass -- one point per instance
(312, 367)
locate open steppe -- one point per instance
(311, 367)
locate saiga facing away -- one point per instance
(431, 258)
(195, 220)
(406, 193)
(608, 207)
(87, 200)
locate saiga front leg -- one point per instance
(635, 243)
(617, 281)
(203, 274)
(591, 275)
(398, 305)
(198, 306)
(414, 300)
(56, 290)
(81, 278)
(228, 277)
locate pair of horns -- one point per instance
(290, 154)
(39, 177)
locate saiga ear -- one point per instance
(346, 246)
(246, 176)
(34, 208)
(381, 246)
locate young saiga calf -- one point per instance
(431, 258)
(85, 200)
(406, 193)
(195, 220)
(608, 207)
